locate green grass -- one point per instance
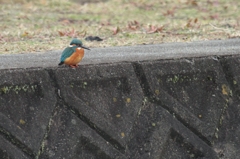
(39, 26)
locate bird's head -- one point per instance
(78, 43)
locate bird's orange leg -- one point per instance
(73, 66)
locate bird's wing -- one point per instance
(67, 52)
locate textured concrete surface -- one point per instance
(133, 53)
(165, 101)
(26, 103)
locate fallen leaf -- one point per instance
(188, 25)
(70, 33)
(116, 30)
(195, 20)
(192, 2)
(25, 34)
(105, 23)
(65, 21)
(83, 33)
(133, 25)
(154, 29)
(214, 16)
(61, 33)
(170, 12)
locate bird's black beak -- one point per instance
(84, 47)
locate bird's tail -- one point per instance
(61, 63)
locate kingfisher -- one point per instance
(73, 54)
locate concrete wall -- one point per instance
(171, 108)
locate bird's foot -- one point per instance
(73, 66)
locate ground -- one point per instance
(40, 26)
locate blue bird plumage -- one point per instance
(67, 52)
(76, 42)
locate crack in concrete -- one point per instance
(87, 121)
(230, 79)
(42, 147)
(102, 133)
(147, 92)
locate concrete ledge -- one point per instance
(176, 100)
(127, 54)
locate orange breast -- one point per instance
(75, 58)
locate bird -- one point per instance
(73, 54)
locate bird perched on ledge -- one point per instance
(73, 54)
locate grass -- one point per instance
(39, 26)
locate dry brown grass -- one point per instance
(38, 26)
